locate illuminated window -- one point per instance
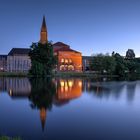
(70, 67)
(70, 61)
(62, 67)
(66, 61)
(62, 60)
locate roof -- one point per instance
(19, 51)
(59, 46)
(4, 56)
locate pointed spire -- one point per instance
(43, 28)
(43, 33)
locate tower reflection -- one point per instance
(41, 97)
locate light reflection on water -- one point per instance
(69, 108)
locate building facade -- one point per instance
(68, 59)
(86, 60)
(18, 60)
(3, 63)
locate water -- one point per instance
(69, 109)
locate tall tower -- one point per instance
(43, 33)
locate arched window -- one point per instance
(62, 67)
(70, 61)
(70, 67)
(66, 61)
(62, 60)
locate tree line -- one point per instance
(116, 64)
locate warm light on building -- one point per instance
(68, 59)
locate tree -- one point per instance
(42, 59)
(109, 64)
(103, 63)
(120, 65)
(130, 54)
(96, 63)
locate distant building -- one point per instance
(18, 60)
(68, 59)
(86, 60)
(3, 63)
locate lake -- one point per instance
(69, 109)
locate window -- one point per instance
(62, 60)
(70, 61)
(62, 67)
(70, 67)
(66, 61)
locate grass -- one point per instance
(9, 138)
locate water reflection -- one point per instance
(131, 91)
(62, 90)
(68, 89)
(18, 87)
(44, 93)
(41, 97)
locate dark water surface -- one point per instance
(69, 109)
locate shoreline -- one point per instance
(71, 74)
(60, 74)
(89, 75)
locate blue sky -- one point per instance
(88, 26)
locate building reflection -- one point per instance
(18, 87)
(43, 116)
(3, 84)
(44, 93)
(68, 89)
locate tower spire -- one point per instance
(43, 33)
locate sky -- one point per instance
(88, 26)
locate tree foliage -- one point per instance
(130, 54)
(42, 93)
(115, 64)
(42, 59)
(103, 64)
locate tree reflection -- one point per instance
(41, 97)
(131, 91)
